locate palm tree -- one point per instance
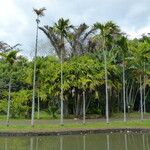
(61, 29)
(141, 97)
(107, 33)
(78, 40)
(122, 43)
(5, 48)
(140, 54)
(83, 107)
(103, 33)
(11, 58)
(144, 90)
(39, 13)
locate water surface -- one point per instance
(115, 141)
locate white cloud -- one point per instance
(13, 21)
(18, 20)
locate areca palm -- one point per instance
(5, 48)
(77, 40)
(39, 13)
(80, 39)
(145, 40)
(61, 29)
(107, 32)
(140, 53)
(54, 39)
(10, 58)
(122, 43)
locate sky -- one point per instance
(17, 20)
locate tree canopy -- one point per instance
(83, 70)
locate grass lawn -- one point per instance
(75, 126)
(46, 124)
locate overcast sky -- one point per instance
(17, 20)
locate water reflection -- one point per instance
(31, 143)
(78, 142)
(143, 137)
(125, 141)
(37, 142)
(6, 143)
(84, 143)
(61, 142)
(108, 144)
(147, 144)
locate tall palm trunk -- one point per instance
(106, 83)
(141, 98)
(38, 106)
(34, 75)
(83, 107)
(9, 101)
(124, 100)
(144, 92)
(62, 91)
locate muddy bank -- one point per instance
(76, 132)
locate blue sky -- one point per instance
(17, 20)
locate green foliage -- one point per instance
(83, 70)
(20, 99)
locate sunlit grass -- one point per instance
(45, 124)
(75, 126)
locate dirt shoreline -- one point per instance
(76, 132)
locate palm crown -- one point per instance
(39, 12)
(11, 56)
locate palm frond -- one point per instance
(10, 57)
(39, 12)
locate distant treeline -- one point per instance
(84, 51)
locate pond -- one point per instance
(115, 141)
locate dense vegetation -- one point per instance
(86, 52)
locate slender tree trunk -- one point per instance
(144, 92)
(127, 95)
(118, 102)
(83, 107)
(106, 88)
(77, 104)
(38, 106)
(66, 110)
(106, 83)
(34, 75)
(124, 98)
(9, 101)
(135, 95)
(141, 98)
(130, 94)
(62, 90)
(87, 103)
